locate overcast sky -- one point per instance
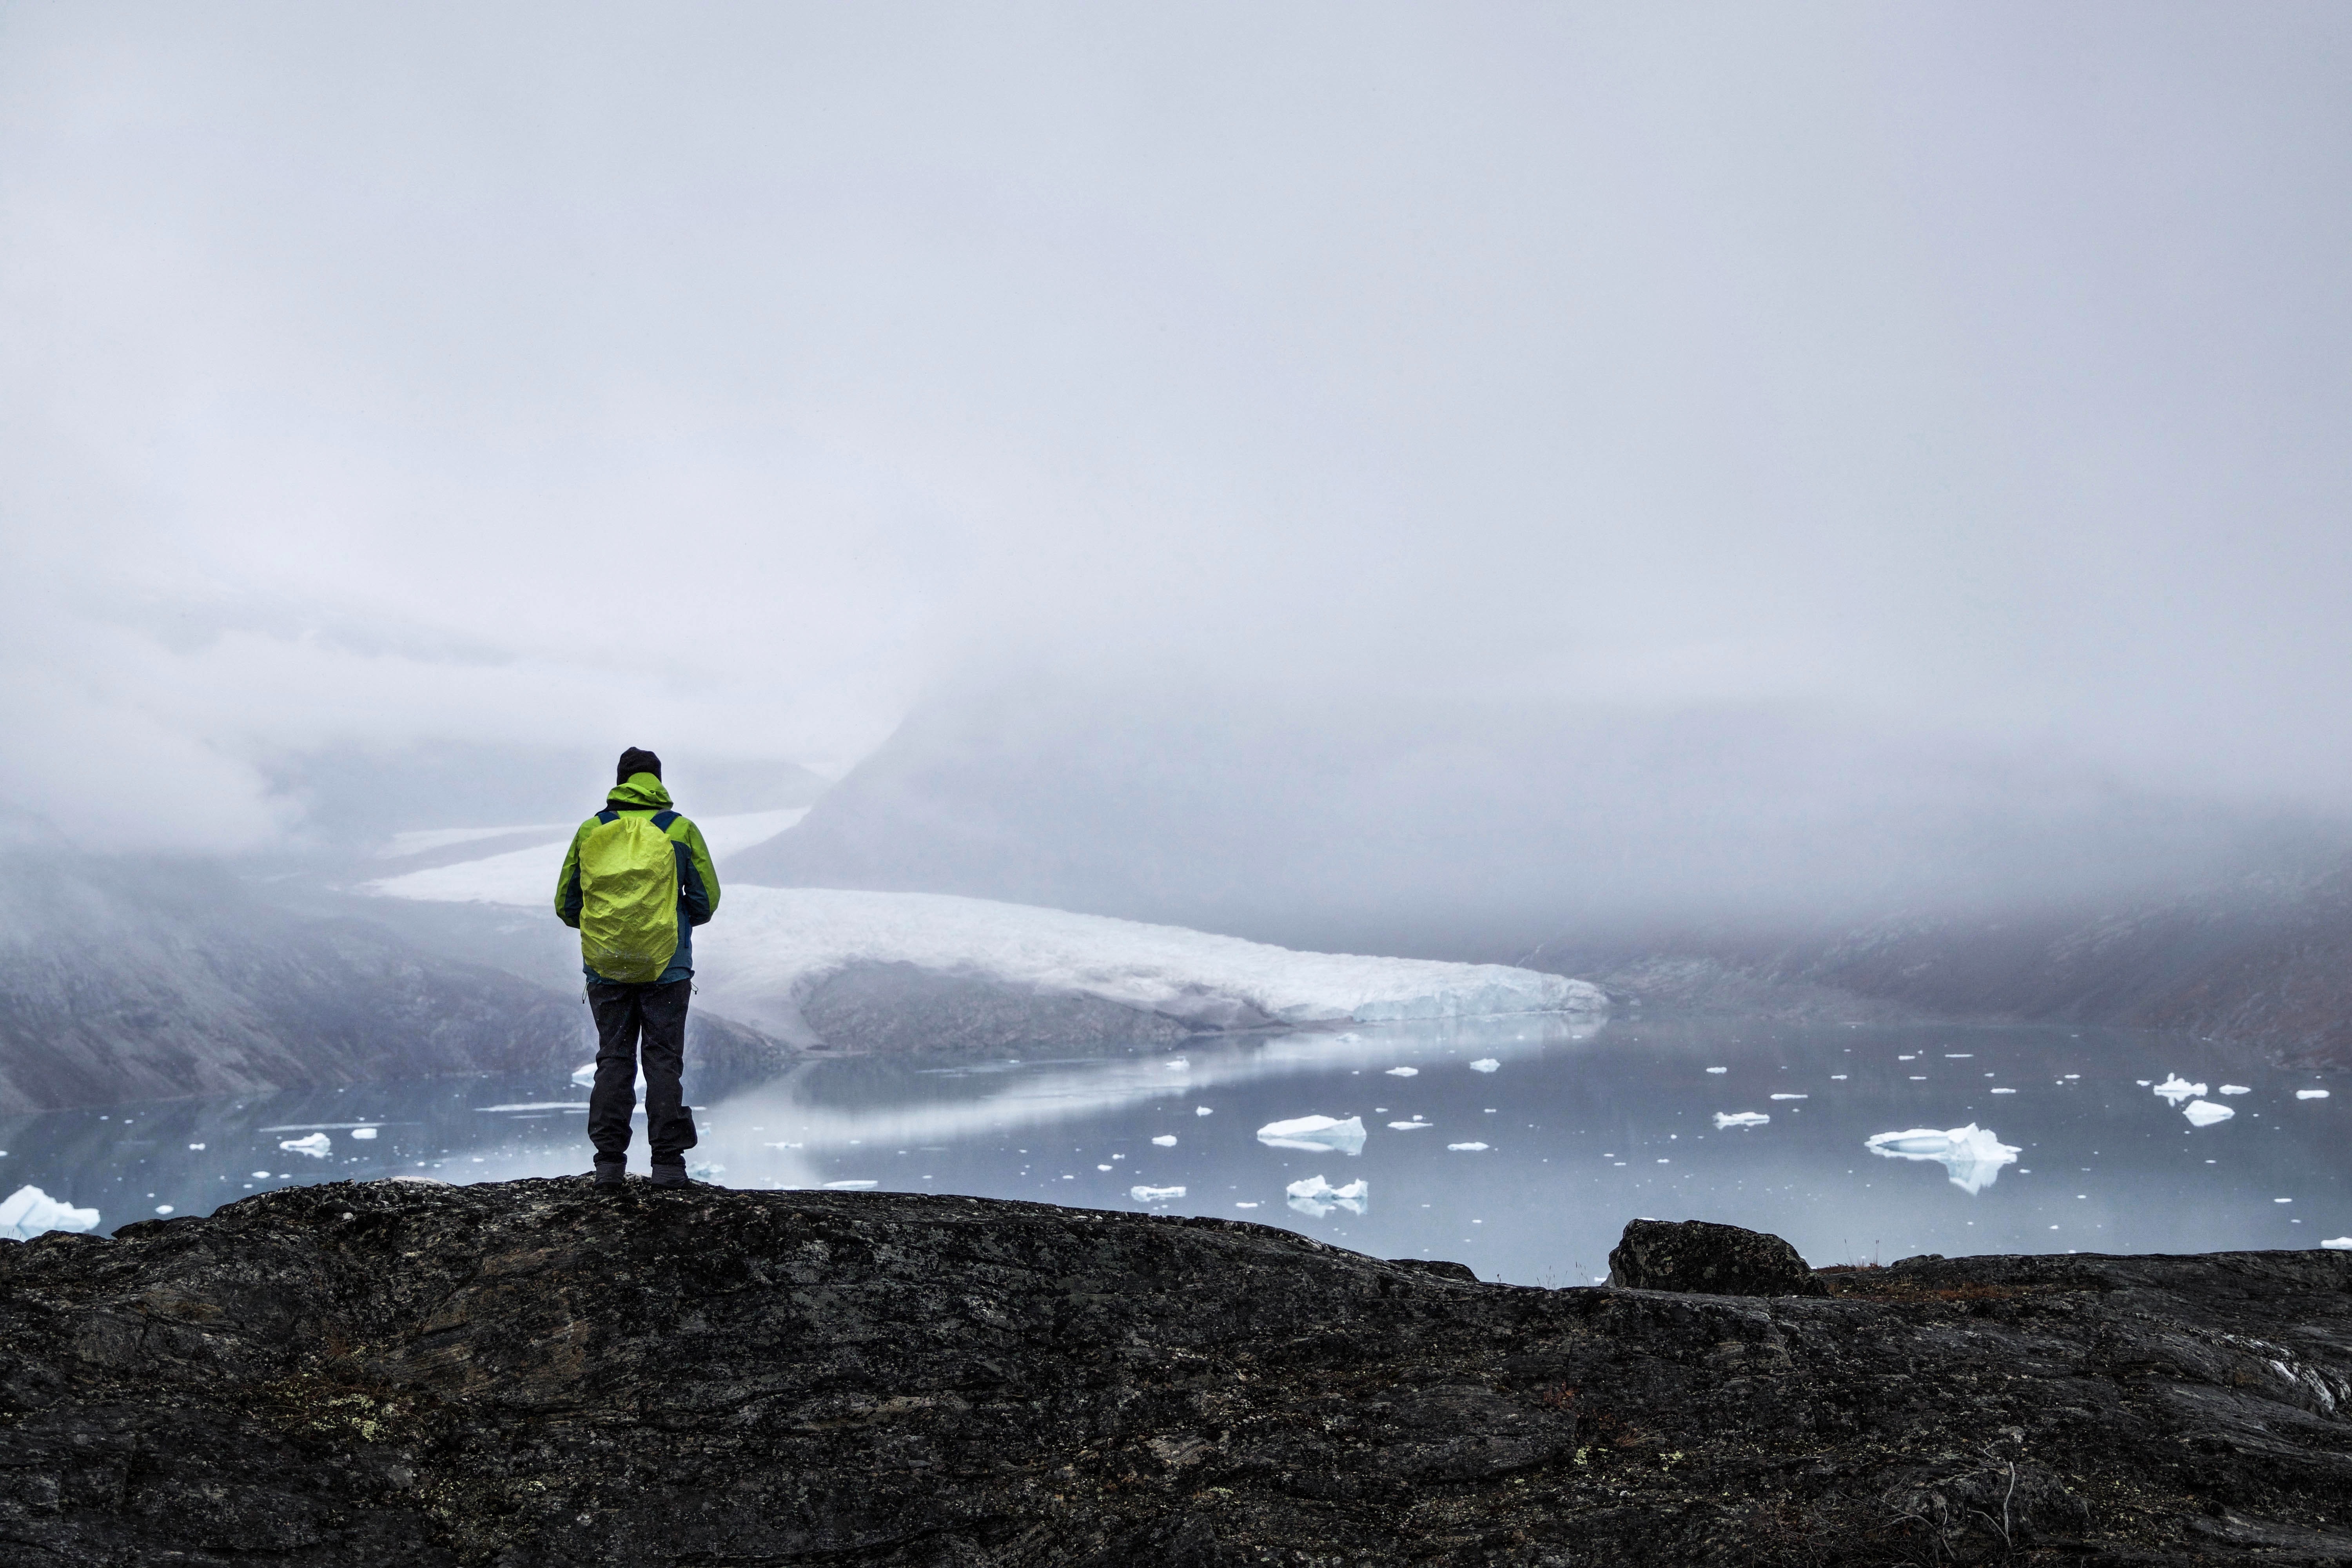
(720, 378)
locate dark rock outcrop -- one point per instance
(900, 1007)
(534, 1374)
(1718, 1259)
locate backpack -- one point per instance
(628, 896)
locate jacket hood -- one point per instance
(639, 791)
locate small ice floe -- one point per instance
(2143, 1082)
(1486, 1064)
(1793, 1097)
(163, 1209)
(195, 1146)
(1317, 1197)
(1740, 1119)
(2001, 1092)
(318, 1145)
(1156, 1195)
(1465, 1147)
(1179, 1065)
(849, 1186)
(1837, 1078)
(362, 1132)
(1250, 1205)
(1166, 1140)
(260, 1175)
(2338, 1243)
(704, 1171)
(2204, 1113)
(1404, 1072)
(2235, 1089)
(1315, 1134)
(1415, 1125)
(1958, 1055)
(1203, 1110)
(1972, 1156)
(2176, 1089)
(2311, 1094)
(28, 1211)
(1102, 1167)
(1718, 1069)
(584, 1075)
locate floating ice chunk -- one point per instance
(1740, 1119)
(316, 1145)
(1102, 1167)
(1314, 1195)
(1203, 1110)
(362, 1132)
(1793, 1097)
(1486, 1064)
(2143, 1082)
(2176, 1089)
(1179, 1065)
(163, 1209)
(2338, 1243)
(2204, 1113)
(2235, 1089)
(261, 1176)
(195, 1146)
(2001, 1092)
(704, 1171)
(1466, 1148)
(1404, 1072)
(1316, 1134)
(1154, 1194)
(1166, 1140)
(1245, 1205)
(1972, 1156)
(1415, 1125)
(2311, 1094)
(2282, 1200)
(1718, 1069)
(28, 1211)
(584, 1075)
(848, 1187)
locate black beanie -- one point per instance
(637, 760)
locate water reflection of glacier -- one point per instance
(1971, 1155)
(981, 1098)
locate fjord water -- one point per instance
(1580, 1127)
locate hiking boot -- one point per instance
(669, 1176)
(611, 1172)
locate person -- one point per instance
(635, 883)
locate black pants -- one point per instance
(629, 1017)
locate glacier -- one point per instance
(27, 1212)
(771, 946)
(1970, 1155)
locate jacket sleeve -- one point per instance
(698, 882)
(567, 884)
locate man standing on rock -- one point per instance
(635, 883)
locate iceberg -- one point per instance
(2204, 1113)
(1316, 1197)
(1466, 1148)
(1718, 1069)
(704, 1171)
(584, 1075)
(316, 1145)
(1723, 1119)
(28, 1211)
(2338, 1243)
(2235, 1089)
(1154, 1194)
(1317, 1134)
(1404, 1072)
(2176, 1089)
(1203, 1110)
(1793, 1097)
(1970, 1155)
(2311, 1094)
(1414, 1126)
(1166, 1140)
(1486, 1064)
(849, 1186)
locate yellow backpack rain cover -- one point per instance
(628, 897)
